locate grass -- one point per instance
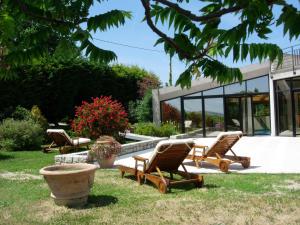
(225, 198)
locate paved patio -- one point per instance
(268, 155)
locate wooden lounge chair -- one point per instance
(167, 156)
(216, 152)
(62, 140)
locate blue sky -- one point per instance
(137, 33)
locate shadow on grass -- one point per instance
(95, 201)
(5, 157)
(178, 188)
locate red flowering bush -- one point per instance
(170, 113)
(103, 116)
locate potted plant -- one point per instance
(70, 184)
(105, 150)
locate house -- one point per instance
(267, 102)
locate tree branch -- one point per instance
(146, 4)
(208, 17)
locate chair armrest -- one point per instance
(201, 146)
(139, 158)
(204, 147)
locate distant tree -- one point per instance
(147, 83)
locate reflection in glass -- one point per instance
(171, 112)
(215, 91)
(235, 88)
(214, 116)
(233, 116)
(283, 85)
(284, 109)
(258, 85)
(193, 116)
(296, 83)
(261, 114)
(195, 94)
(297, 111)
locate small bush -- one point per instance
(21, 113)
(103, 116)
(150, 129)
(144, 111)
(20, 135)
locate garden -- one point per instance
(68, 110)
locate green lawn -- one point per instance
(224, 199)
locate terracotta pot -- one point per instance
(107, 162)
(70, 184)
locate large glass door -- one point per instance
(214, 116)
(193, 116)
(234, 119)
(261, 114)
(297, 111)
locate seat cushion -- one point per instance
(81, 141)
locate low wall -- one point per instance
(144, 143)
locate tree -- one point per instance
(27, 28)
(199, 38)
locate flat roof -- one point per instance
(201, 84)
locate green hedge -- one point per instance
(150, 129)
(57, 87)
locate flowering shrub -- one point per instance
(170, 113)
(103, 116)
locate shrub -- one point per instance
(170, 113)
(150, 129)
(21, 113)
(20, 135)
(58, 86)
(144, 108)
(38, 117)
(147, 83)
(103, 116)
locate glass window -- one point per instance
(261, 114)
(235, 88)
(283, 85)
(215, 91)
(258, 85)
(171, 111)
(284, 112)
(233, 113)
(296, 83)
(297, 111)
(214, 116)
(193, 116)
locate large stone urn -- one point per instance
(105, 151)
(70, 184)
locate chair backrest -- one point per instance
(168, 155)
(224, 142)
(60, 137)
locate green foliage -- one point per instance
(143, 110)
(38, 117)
(19, 135)
(199, 39)
(21, 114)
(58, 86)
(150, 129)
(27, 29)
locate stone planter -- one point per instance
(107, 162)
(70, 184)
